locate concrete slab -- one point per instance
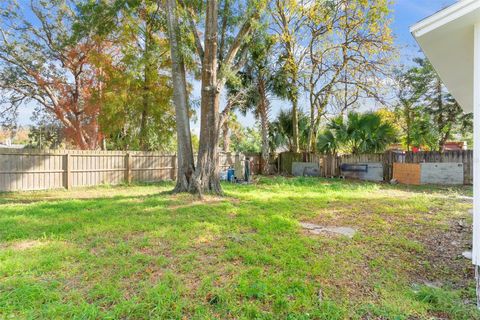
(318, 230)
(309, 226)
(467, 255)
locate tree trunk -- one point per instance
(146, 86)
(441, 122)
(296, 140)
(314, 130)
(409, 127)
(443, 140)
(143, 126)
(310, 144)
(294, 100)
(263, 111)
(185, 162)
(206, 177)
(79, 136)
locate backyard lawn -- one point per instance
(138, 252)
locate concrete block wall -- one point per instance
(300, 169)
(429, 173)
(374, 172)
(441, 173)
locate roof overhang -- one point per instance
(447, 39)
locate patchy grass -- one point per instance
(140, 253)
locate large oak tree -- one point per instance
(42, 62)
(219, 58)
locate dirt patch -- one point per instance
(444, 252)
(193, 203)
(25, 245)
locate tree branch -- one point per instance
(237, 42)
(193, 28)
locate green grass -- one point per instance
(137, 252)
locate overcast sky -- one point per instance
(406, 13)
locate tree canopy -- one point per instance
(428, 114)
(358, 133)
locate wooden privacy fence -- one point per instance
(22, 169)
(50, 169)
(330, 165)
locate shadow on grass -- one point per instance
(84, 193)
(62, 216)
(319, 185)
(250, 240)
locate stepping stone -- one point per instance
(462, 224)
(318, 230)
(310, 226)
(465, 198)
(434, 285)
(467, 255)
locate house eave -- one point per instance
(446, 38)
(444, 17)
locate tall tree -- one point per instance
(206, 173)
(407, 110)
(288, 22)
(432, 115)
(185, 166)
(359, 133)
(253, 89)
(42, 62)
(231, 127)
(217, 63)
(281, 131)
(258, 70)
(136, 98)
(246, 140)
(445, 111)
(349, 50)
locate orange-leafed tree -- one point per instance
(136, 97)
(43, 61)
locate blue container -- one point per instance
(230, 175)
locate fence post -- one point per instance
(128, 169)
(279, 171)
(262, 166)
(68, 171)
(337, 162)
(387, 163)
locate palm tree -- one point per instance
(254, 85)
(360, 133)
(281, 131)
(328, 143)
